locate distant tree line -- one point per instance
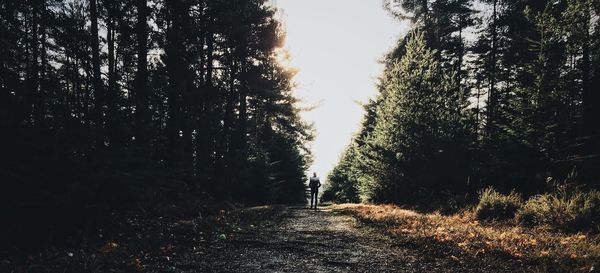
(502, 93)
(104, 103)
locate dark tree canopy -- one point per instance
(104, 104)
(499, 93)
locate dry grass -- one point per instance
(570, 211)
(578, 252)
(494, 205)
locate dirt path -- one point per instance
(324, 241)
(269, 239)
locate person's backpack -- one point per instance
(313, 182)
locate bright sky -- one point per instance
(336, 45)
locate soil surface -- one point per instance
(301, 240)
(263, 239)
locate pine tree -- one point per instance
(419, 128)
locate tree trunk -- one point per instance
(33, 71)
(142, 115)
(97, 79)
(176, 67)
(491, 100)
(112, 100)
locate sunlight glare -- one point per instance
(336, 45)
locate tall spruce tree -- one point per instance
(525, 101)
(419, 136)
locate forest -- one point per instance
(168, 136)
(107, 104)
(479, 94)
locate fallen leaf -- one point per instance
(167, 248)
(136, 265)
(108, 247)
(517, 254)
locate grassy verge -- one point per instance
(538, 248)
(144, 240)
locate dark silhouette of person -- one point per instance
(314, 185)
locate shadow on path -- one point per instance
(322, 241)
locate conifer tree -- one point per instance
(419, 134)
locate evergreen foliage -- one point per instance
(510, 102)
(104, 104)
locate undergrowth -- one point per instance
(494, 205)
(541, 248)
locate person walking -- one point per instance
(314, 185)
